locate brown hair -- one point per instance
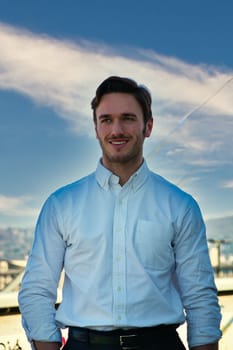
(124, 85)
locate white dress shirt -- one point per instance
(133, 256)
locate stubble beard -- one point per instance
(132, 156)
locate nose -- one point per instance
(117, 127)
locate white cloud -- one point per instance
(16, 206)
(228, 184)
(64, 75)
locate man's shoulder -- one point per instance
(167, 187)
(172, 196)
(73, 188)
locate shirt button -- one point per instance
(119, 317)
(119, 289)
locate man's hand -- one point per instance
(39, 345)
(213, 346)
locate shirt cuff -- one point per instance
(202, 336)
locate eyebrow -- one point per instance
(129, 114)
(102, 116)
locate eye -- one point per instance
(129, 118)
(105, 120)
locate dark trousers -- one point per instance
(171, 341)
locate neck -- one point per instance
(123, 170)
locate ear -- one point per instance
(96, 132)
(149, 127)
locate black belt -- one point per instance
(127, 339)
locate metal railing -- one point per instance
(8, 346)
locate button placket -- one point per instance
(119, 260)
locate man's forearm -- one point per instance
(39, 345)
(213, 346)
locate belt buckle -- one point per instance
(123, 340)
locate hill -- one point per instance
(221, 229)
(15, 243)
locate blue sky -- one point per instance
(55, 53)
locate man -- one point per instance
(132, 245)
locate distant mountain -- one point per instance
(221, 229)
(15, 243)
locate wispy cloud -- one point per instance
(16, 206)
(64, 75)
(228, 184)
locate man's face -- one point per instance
(120, 129)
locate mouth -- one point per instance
(118, 142)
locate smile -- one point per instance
(118, 142)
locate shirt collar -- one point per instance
(106, 178)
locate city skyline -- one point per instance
(53, 56)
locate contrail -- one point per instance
(186, 116)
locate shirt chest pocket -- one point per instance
(153, 244)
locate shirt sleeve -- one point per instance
(195, 278)
(38, 293)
